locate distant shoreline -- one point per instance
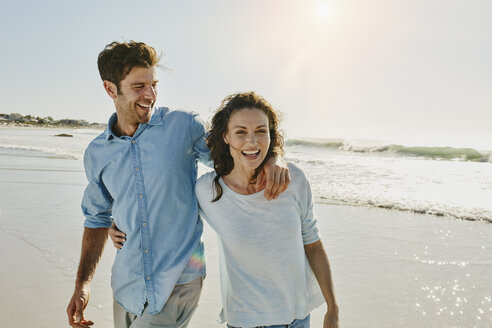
(19, 120)
(99, 126)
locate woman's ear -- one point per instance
(224, 136)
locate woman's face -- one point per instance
(248, 136)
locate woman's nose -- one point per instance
(252, 138)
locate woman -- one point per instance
(268, 250)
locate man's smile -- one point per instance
(145, 107)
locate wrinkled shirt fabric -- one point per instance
(265, 276)
(146, 184)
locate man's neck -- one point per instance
(121, 129)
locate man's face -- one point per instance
(136, 95)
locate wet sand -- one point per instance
(391, 269)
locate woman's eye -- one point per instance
(261, 131)
(239, 132)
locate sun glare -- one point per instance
(323, 9)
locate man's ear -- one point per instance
(111, 89)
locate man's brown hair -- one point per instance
(117, 59)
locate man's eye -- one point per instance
(138, 87)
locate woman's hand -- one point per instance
(117, 237)
(318, 260)
(331, 319)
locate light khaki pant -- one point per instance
(176, 313)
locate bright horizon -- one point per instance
(411, 71)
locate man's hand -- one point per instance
(331, 320)
(275, 177)
(117, 237)
(93, 242)
(76, 307)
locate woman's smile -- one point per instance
(248, 137)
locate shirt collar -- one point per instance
(109, 129)
(156, 119)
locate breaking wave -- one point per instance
(56, 151)
(434, 153)
(457, 213)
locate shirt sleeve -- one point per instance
(309, 222)
(96, 203)
(198, 136)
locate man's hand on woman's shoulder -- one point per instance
(275, 177)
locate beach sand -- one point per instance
(390, 268)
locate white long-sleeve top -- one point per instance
(265, 275)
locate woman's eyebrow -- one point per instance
(243, 127)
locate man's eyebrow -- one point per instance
(143, 83)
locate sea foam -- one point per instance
(375, 147)
(442, 181)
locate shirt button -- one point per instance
(141, 196)
(146, 251)
(148, 277)
(144, 224)
(133, 141)
(137, 168)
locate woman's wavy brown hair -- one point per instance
(219, 150)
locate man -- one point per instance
(142, 171)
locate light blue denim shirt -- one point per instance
(146, 184)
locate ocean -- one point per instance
(392, 267)
(442, 181)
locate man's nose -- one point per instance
(150, 92)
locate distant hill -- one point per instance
(29, 120)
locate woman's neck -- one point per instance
(240, 181)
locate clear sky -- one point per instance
(416, 70)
